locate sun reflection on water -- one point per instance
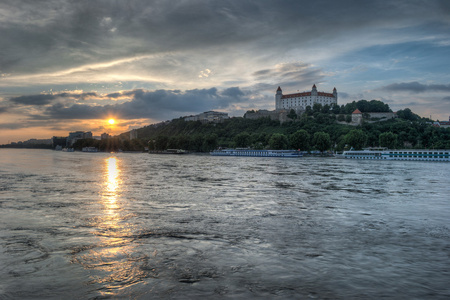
(112, 260)
(112, 184)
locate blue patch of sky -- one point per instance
(396, 62)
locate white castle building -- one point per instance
(300, 101)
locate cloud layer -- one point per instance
(133, 104)
(416, 87)
(153, 60)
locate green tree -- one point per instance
(356, 138)
(137, 145)
(210, 142)
(308, 110)
(151, 145)
(335, 109)
(317, 107)
(172, 143)
(161, 142)
(348, 118)
(278, 141)
(126, 145)
(196, 143)
(321, 141)
(407, 114)
(326, 109)
(242, 140)
(292, 114)
(388, 140)
(300, 140)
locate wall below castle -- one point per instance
(373, 117)
(275, 115)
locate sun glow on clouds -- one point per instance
(119, 70)
(205, 73)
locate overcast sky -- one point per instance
(70, 65)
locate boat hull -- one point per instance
(414, 155)
(257, 153)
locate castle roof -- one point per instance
(357, 111)
(305, 94)
(279, 89)
(296, 95)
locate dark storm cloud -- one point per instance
(416, 87)
(114, 95)
(76, 111)
(14, 125)
(56, 34)
(44, 99)
(233, 92)
(41, 99)
(150, 104)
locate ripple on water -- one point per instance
(139, 226)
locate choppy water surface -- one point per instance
(140, 226)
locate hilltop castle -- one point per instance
(299, 101)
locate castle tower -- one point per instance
(335, 94)
(314, 90)
(278, 96)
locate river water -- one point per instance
(142, 226)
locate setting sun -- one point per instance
(111, 121)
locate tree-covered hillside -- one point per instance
(316, 129)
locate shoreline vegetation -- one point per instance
(319, 128)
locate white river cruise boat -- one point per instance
(256, 153)
(89, 149)
(405, 154)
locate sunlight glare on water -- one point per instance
(112, 184)
(110, 258)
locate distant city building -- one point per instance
(105, 136)
(208, 117)
(133, 134)
(38, 142)
(60, 141)
(443, 124)
(78, 135)
(299, 101)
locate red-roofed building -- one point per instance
(444, 124)
(299, 101)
